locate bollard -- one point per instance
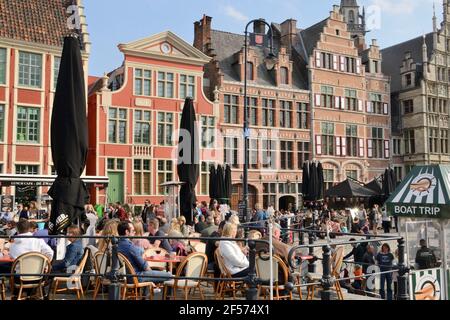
(312, 263)
(252, 291)
(326, 278)
(403, 271)
(114, 287)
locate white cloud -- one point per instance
(400, 6)
(235, 14)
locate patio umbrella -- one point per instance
(393, 180)
(212, 182)
(220, 181)
(228, 184)
(188, 159)
(313, 189)
(69, 141)
(320, 181)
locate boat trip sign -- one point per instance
(425, 192)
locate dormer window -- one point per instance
(408, 79)
(376, 66)
(284, 75)
(250, 71)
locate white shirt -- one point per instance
(25, 245)
(233, 257)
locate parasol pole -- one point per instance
(271, 256)
(444, 258)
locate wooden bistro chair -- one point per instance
(132, 290)
(224, 287)
(2, 289)
(194, 266)
(72, 282)
(101, 260)
(263, 273)
(30, 263)
(336, 264)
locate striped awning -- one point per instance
(425, 192)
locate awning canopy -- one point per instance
(349, 189)
(375, 186)
(424, 193)
(12, 180)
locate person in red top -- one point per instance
(120, 212)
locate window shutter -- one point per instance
(387, 149)
(336, 102)
(338, 146)
(335, 62)
(370, 148)
(342, 63)
(319, 145)
(318, 98)
(360, 106)
(385, 108)
(344, 146)
(318, 61)
(361, 148)
(358, 66)
(342, 103)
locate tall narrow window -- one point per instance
(230, 109)
(142, 177)
(433, 134)
(142, 124)
(208, 132)
(304, 154)
(284, 75)
(165, 128)
(30, 69)
(302, 116)
(117, 125)
(268, 149)
(28, 124)
(253, 153)
(351, 101)
(142, 82)
(444, 141)
(56, 63)
(352, 140)
(328, 139)
(187, 86)
(410, 142)
(165, 174)
(327, 98)
(268, 110)
(408, 106)
(252, 105)
(250, 71)
(286, 114)
(231, 151)
(2, 122)
(328, 178)
(287, 155)
(2, 66)
(165, 84)
(378, 142)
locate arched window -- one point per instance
(351, 16)
(284, 75)
(250, 71)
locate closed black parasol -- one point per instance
(212, 182)
(228, 184)
(188, 159)
(305, 181)
(320, 181)
(220, 180)
(69, 141)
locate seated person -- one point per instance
(357, 283)
(153, 231)
(234, 259)
(133, 254)
(74, 251)
(176, 244)
(7, 215)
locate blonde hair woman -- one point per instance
(234, 259)
(139, 232)
(183, 227)
(109, 230)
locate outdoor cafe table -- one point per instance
(169, 260)
(5, 259)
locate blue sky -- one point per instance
(111, 22)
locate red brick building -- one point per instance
(134, 113)
(31, 38)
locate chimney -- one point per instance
(259, 26)
(288, 33)
(202, 33)
(374, 43)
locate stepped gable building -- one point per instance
(420, 72)
(134, 117)
(326, 66)
(31, 39)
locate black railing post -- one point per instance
(252, 291)
(403, 271)
(312, 263)
(326, 277)
(114, 287)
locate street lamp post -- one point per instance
(270, 62)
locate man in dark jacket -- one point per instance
(74, 251)
(425, 257)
